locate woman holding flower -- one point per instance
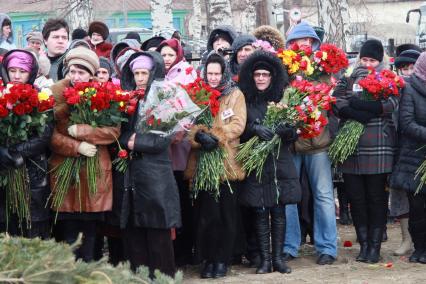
(20, 67)
(365, 172)
(216, 215)
(147, 195)
(262, 80)
(80, 210)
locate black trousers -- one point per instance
(150, 247)
(184, 242)
(216, 225)
(68, 230)
(417, 218)
(39, 229)
(368, 199)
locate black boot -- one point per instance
(278, 234)
(417, 229)
(362, 235)
(208, 270)
(374, 243)
(344, 215)
(385, 234)
(262, 231)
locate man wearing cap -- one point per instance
(35, 40)
(98, 33)
(242, 48)
(312, 153)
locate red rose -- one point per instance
(19, 109)
(3, 112)
(347, 244)
(122, 154)
(73, 100)
(189, 70)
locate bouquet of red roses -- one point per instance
(329, 59)
(376, 86)
(302, 105)
(99, 105)
(210, 169)
(23, 112)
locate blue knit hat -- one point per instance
(303, 30)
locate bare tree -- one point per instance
(195, 24)
(218, 13)
(248, 18)
(78, 13)
(161, 15)
(333, 16)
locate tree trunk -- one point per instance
(195, 25)
(161, 15)
(218, 13)
(333, 16)
(79, 13)
(248, 16)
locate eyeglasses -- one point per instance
(261, 74)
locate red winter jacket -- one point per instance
(101, 49)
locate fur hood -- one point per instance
(279, 79)
(270, 34)
(157, 73)
(3, 17)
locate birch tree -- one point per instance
(333, 16)
(218, 13)
(248, 17)
(195, 24)
(78, 13)
(161, 15)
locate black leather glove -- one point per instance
(360, 72)
(208, 142)
(262, 132)
(287, 132)
(358, 115)
(10, 159)
(374, 107)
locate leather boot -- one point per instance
(278, 234)
(344, 215)
(375, 236)
(417, 230)
(406, 243)
(262, 232)
(362, 235)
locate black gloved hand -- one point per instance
(262, 132)
(208, 141)
(360, 72)
(358, 115)
(10, 159)
(374, 107)
(287, 132)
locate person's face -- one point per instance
(169, 56)
(6, 30)
(18, 75)
(244, 53)
(262, 79)
(35, 44)
(214, 74)
(407, 70)
(141, 78)
(96, 38)
(57, 42)
(221, 43)
(369, 62)
(103, 75)
(304, 42)
(78, 75)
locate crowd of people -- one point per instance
(148, 214)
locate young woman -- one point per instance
(20, 67)
(365, 172)
(262, 80)
(216, 219)
(148, 206)
(80, 211)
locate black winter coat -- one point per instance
(146, 195)
(35, 152)
(267, 192)
(412, 136)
